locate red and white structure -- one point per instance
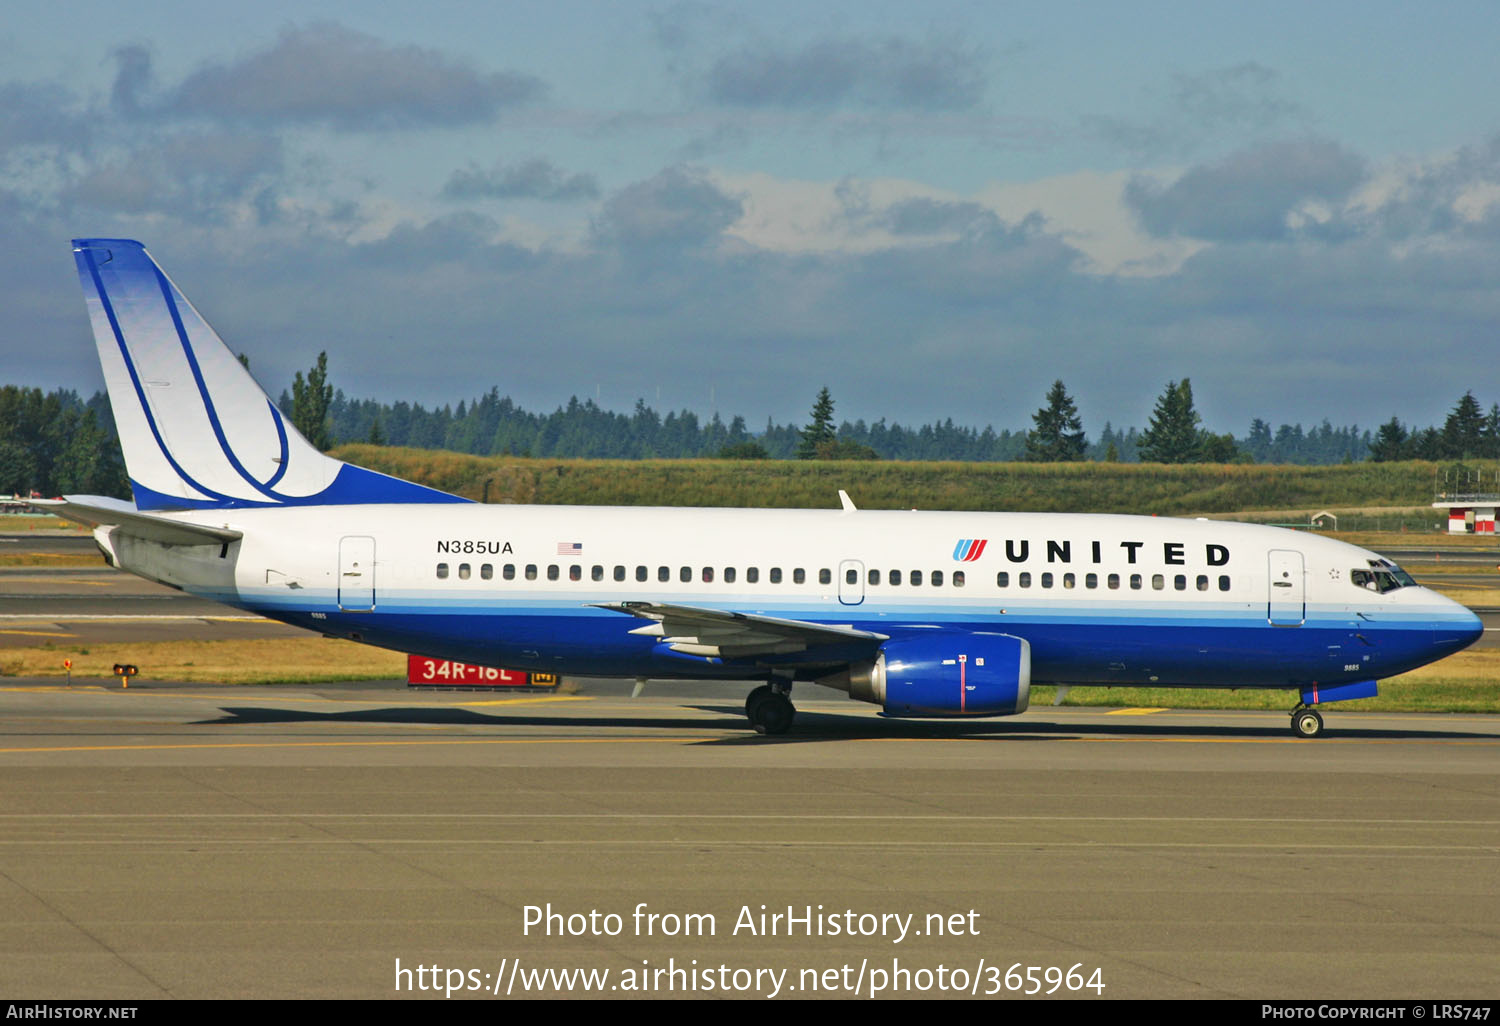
(1471, 506)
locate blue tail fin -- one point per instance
(197, 431)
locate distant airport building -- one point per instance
(1470, 502)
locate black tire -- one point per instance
(773, 715)
(754, 698)
(1307, 723)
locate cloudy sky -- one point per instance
(934, 209)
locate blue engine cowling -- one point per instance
(945, 673)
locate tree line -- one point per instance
(57, 443)
(1468, 433)
(493, 424)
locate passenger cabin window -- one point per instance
(619, 573)
(958, 578)
(553, 572)
(463, 571)
(1202, 582)
(729, 575)
(1068, 580)
(937, 578)
(597, 573)
(531, 571)
(895, 577)
(1179, 582)
(1135, 582)
(799, 576)
(708, 575)
(775, 575)
(873, 577)
(1091, 580)
(642, 573)
(1158, 581)
(685, 574)
(1224, 583)
(851, 576)
(442, 571)
(1024, 579)
(509, 572)
(487, 571)
(752, 575)
(575, 572)
(663, 574)
(915, 578)
(825, 576)
(1114, 582)
(1046, 580)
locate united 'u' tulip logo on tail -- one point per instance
(968, 549)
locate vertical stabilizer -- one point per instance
(197, 431)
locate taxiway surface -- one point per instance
(270, 842)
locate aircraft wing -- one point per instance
(718, 633)
(99, 511)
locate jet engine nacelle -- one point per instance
(944, 673)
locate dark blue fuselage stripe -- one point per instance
(208, 404)
(135, 380)
(280, 438)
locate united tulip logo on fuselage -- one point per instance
(1019, 551)
(969, 549)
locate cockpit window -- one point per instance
(1382, 576)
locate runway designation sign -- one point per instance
(447, 673)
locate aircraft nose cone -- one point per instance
(1475, 629)
(1461, 630)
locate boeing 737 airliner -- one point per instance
(922, 613)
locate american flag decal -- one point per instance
(570, 548)
(969, 549)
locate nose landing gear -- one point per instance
(1306, 721)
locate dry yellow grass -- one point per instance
(15, 523)
(59, 560)
(262, 661)
(1466, 682)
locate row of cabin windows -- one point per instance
(686, 574)
(914, 578)
(1113, 581)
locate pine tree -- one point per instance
(311, 399)
(1259, 440)
(1463, 433)
(820, 430)
(1390, 442)
(1172, 436)
(1058, 436)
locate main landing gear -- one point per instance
(1306, 722)
(770, 708)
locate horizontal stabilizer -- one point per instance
(101, 511)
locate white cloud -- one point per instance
(1086, 209)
